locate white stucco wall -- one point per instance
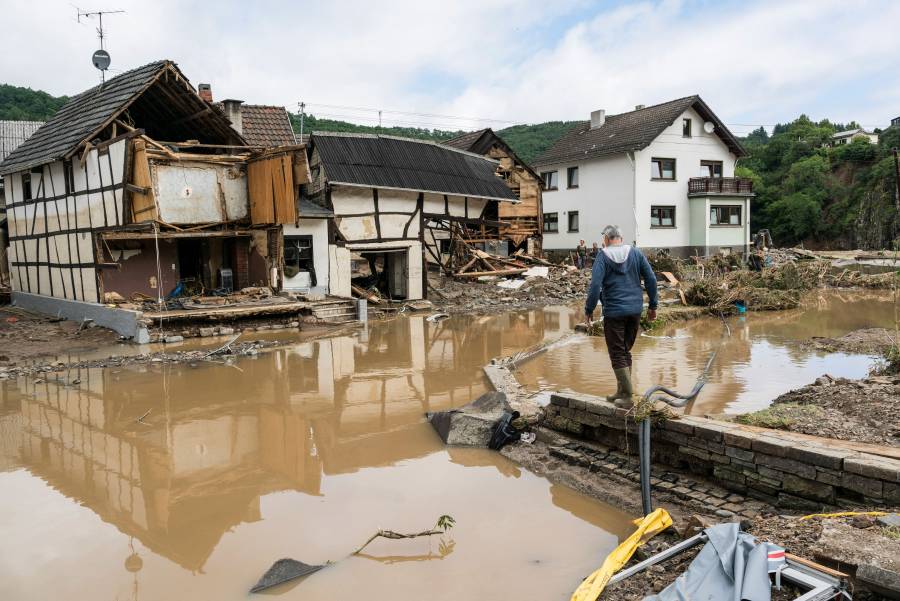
(318, 229)
(687, 152)
(604, 195)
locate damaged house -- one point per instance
(141, 189)
(523, 228)
(398, 205)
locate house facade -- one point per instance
(848, 136)
(523, 221)
(391, 206)
(140, 187)
(664, 174)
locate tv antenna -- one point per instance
(100, 58)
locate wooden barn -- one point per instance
(399, 205)
(138, 187)
(523, 221)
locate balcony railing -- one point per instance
(720, 185)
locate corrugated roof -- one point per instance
(630, 131)
(407, 164)
(268, 126)
(14, 133)
(86, 114)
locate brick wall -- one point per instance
(778, 467)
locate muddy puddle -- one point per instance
(762, 357)
(173, 481)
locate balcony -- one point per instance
(725, 186)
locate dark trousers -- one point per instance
(620, 334)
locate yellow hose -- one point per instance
(842, 514)
(647, 527)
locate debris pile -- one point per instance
(773, 288)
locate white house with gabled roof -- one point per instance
(663, 173)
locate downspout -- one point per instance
(630, 157)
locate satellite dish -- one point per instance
(101, 60)
(709, 127)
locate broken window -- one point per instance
(551, 180)
(551, 222)
(725, 215)
(662, 169)
(662, 216)
(710, 168)
(298, 257)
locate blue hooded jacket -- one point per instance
(616, 282)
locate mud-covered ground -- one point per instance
(26, 337)
(865, 410)
(868, 341)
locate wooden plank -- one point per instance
(143, 202)
(816, 566)
(476, 274)
(285, 199)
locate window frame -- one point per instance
(312, 254)
(661, 161)
(660, 226)
(686, 127)
(729, 208)
(569, 221)
(548, 175)
(547, 228)
(569, 172)
(720, 164)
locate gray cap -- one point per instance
(612, 232)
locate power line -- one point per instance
(408, 113)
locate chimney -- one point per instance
(598, 118)
(205, 91)
(233, 112)
(638, 107)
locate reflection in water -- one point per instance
(307, 450)
(762, 358)
(300, 452)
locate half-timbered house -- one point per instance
(398, 205)
(523, 221)
(139, 187)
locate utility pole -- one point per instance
(379, 120)
(302, 114)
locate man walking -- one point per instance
(616, 283)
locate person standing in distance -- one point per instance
(616, 284)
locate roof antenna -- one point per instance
(100, 58)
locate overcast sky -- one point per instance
(518, 62)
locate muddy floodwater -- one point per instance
(186, 482)
(178, 481)
(762, 358)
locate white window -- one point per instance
(725, 215)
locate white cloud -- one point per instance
(753, 62)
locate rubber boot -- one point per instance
(624, 401)
(621, 377)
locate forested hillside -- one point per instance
(25, 104)
(808, 191)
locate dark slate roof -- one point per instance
(79, 118)
(86, 114)
(407, 164)
(630, 131)
(481, 141)
(268, 126)
(310, 210)
(465, 141)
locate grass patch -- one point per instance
(779, 417)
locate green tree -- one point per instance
(794, 218)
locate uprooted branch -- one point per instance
(443, 524)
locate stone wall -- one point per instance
(781, 468)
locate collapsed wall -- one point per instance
(784, 469)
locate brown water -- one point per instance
(301, 452)
(761, 359)
(305, 451)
